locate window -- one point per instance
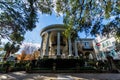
(113, 43)
(103, 44)
(86, 45)
(107, 43)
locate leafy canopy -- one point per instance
(19, 16)
(10, 48)
(89, 15)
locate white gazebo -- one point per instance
(54, 44)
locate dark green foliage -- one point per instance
(88, 16)
(60, 63)
(45, 63)
(19, 16)
(87, 68)
(10, 48)
(45, 6)
(31, 17)
(11, 66)
(117, 63)
(16, 17)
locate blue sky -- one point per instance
(44, 20)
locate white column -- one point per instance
(70, 46)
(58, 44)
(41, 49)
(47, 45)
(76, 49)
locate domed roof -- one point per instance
(53, 26)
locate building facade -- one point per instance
(105, 45)
(86, 47)
(54, 44)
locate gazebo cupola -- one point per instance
(54, 43)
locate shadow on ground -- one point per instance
(22, 75)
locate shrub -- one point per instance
(60, 63)
(28, 66)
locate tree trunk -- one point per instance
(112, 65)
(6, 55)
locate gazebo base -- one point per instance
(58, 57)
(45, 57)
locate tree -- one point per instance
(26, 56)
(19, 16)
(111, 64)
(22, 56)
(10, 48)
(29, 52)
(88, 15)
(35, 55)
(16, 18)
(1, 48)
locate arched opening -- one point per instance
(87, 55)
(80, 54)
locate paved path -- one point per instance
(58, 76)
